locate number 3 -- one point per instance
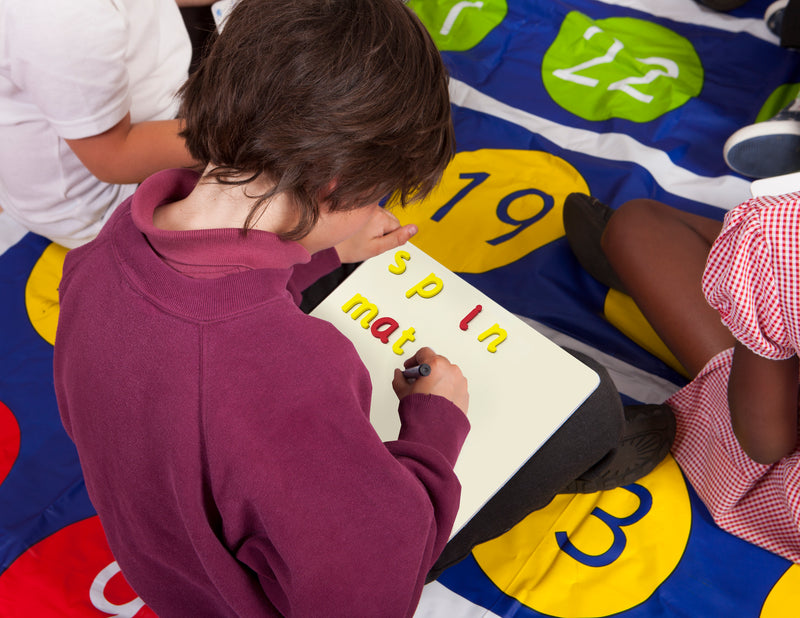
(615, 524)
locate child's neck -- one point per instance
(212, 205)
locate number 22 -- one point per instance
(668, 68)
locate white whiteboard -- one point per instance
(519, 394)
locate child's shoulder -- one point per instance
(765, 214)
(784, 201)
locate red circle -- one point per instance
(55, 577)
(9, 441)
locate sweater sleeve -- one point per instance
(432, 432)
(332, 520)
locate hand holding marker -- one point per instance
(442, 378)
(418, 371)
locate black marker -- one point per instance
(417, 372)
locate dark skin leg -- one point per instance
(660, 253)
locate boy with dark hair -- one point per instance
(224, 435)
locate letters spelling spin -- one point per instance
(430, 286)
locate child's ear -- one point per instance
(325, 193)
(329, 188)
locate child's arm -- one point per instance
(763, 399)
(128, 153)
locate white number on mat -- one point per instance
(669, 69)
(97, 595)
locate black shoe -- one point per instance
(646, 440)
(585, 218)
(723, 5)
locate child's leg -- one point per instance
(659, 253)
(599, 437)
(586, 437)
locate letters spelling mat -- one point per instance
(625, 98)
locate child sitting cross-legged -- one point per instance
(723, 296)
(224, 434)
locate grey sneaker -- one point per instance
(769, 148)
(585, 218)
(647, 438)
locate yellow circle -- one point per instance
(41, 292)
(609, 532)
(621, 310)
(784, 598)
(493, 207)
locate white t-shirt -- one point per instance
(73, 69)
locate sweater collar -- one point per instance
(137, 243)
(206, 253)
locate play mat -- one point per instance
(623, 99)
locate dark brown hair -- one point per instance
(338, 100)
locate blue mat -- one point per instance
(633, 98)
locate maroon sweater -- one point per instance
(224, 435)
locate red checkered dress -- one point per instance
(752, 278)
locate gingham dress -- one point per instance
(752, 278)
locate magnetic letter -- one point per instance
(365, 306)
(422, 288)
(465, 322)
(408, 335)
(381, 333)
(400, 259)
(500, 337)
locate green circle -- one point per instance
(780, 98)
(458, 25)
(620, 67)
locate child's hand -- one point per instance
(381, 232)
(445, 379)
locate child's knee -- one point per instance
(619, 226)
(631, 222)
